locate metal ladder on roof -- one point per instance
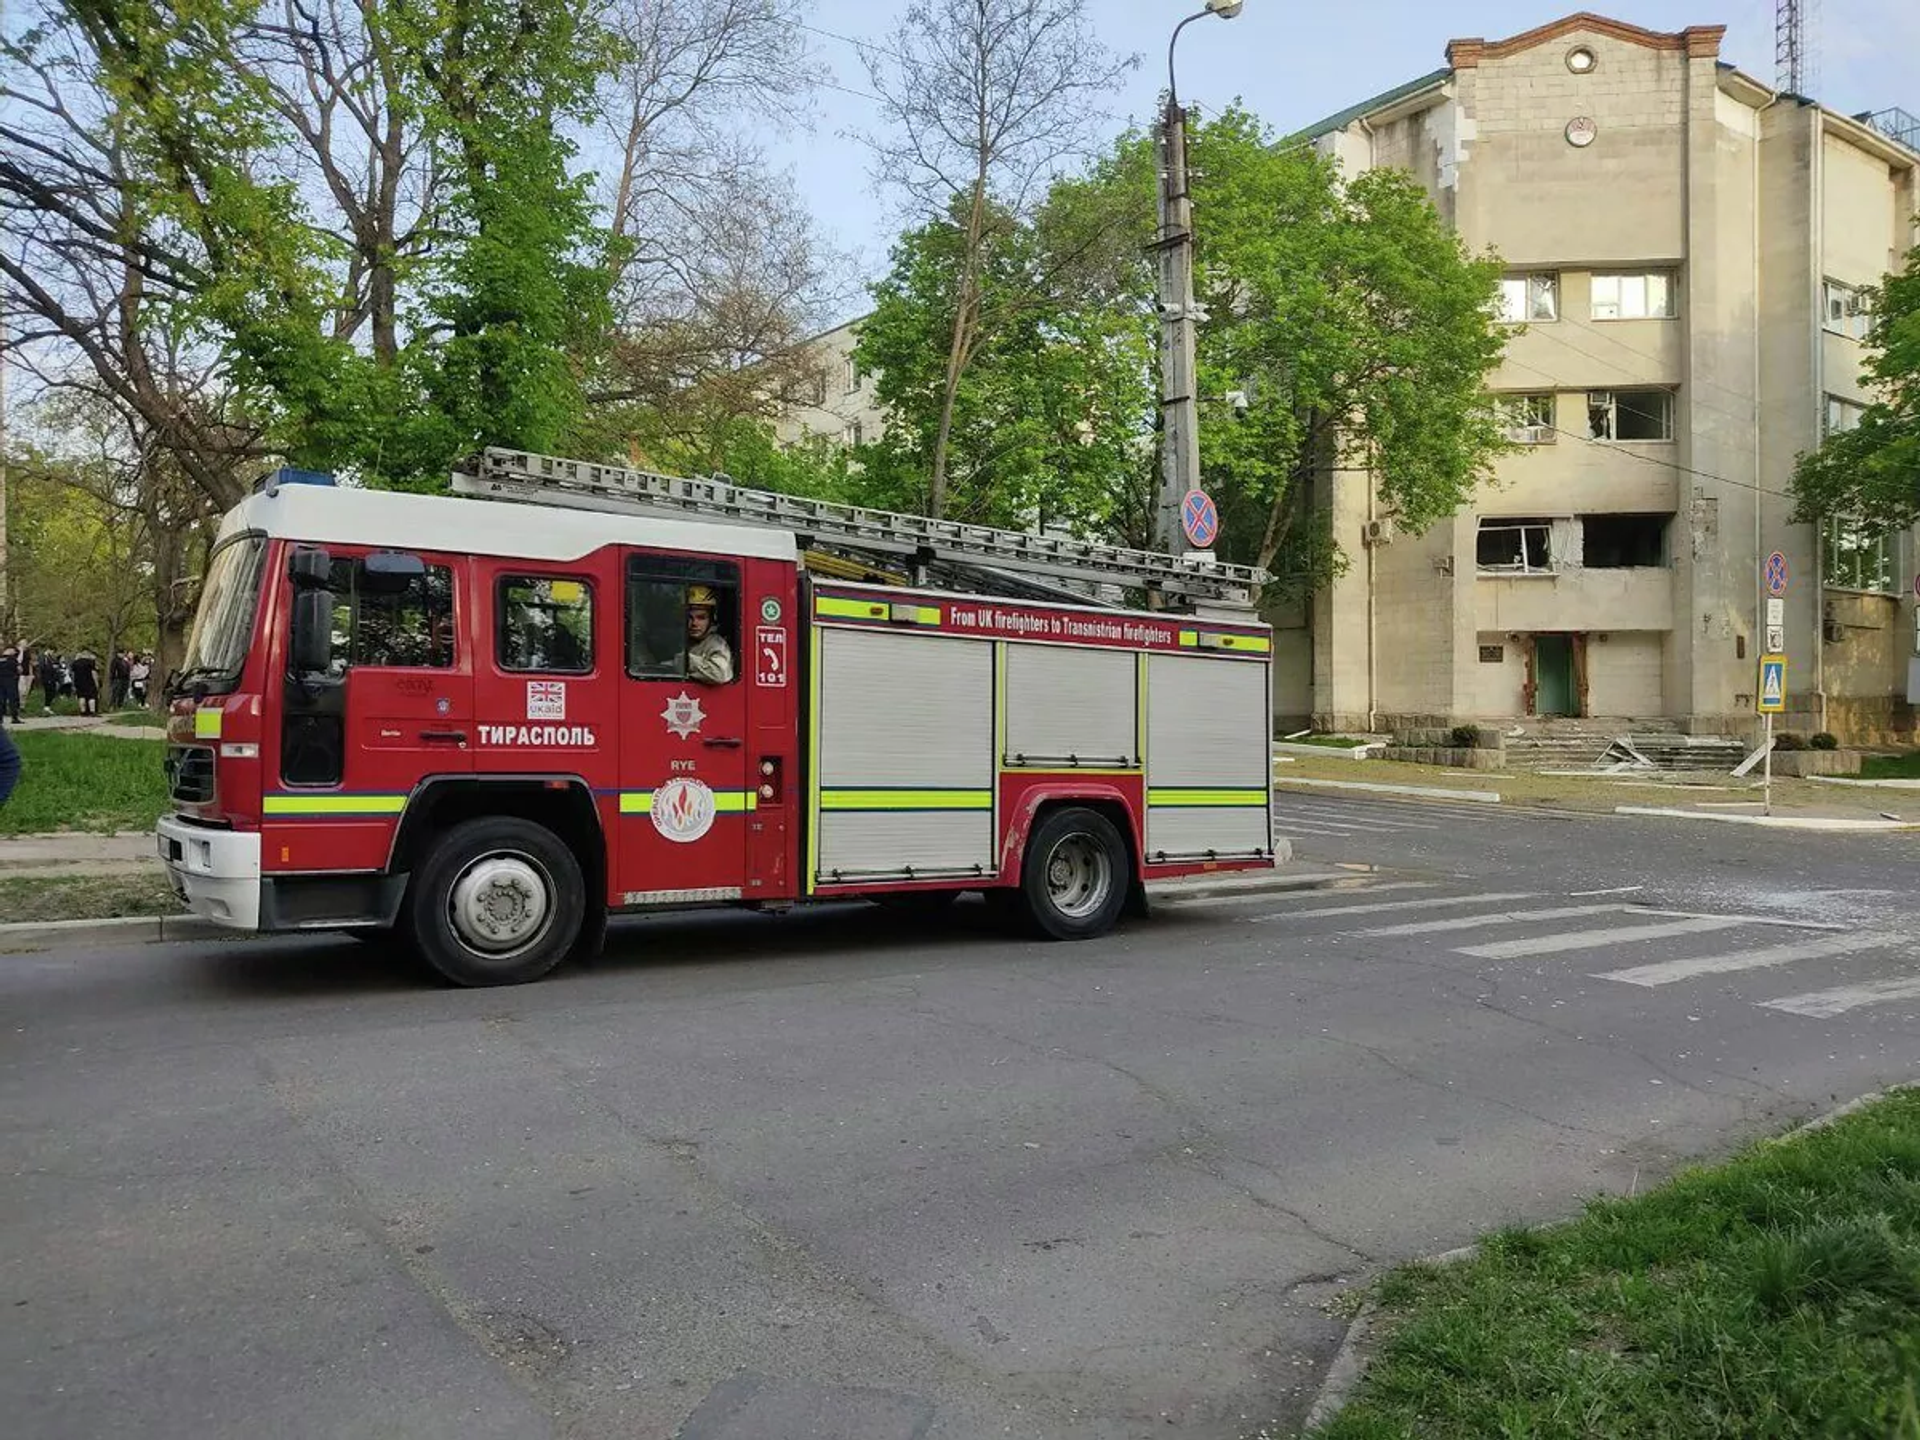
(579, 484)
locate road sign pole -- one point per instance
(1767, 761)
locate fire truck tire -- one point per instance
(499, 901)
(1075, 875)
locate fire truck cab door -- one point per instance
(686, 795)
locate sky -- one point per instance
(1293, 62)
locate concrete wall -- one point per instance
(839, 406)
(1576, 600)
(1626, 673)
(1499, 687)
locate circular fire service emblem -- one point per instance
(682, 810)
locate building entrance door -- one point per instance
(1553, 675)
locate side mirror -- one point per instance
(391, 572)
(312, 639)
(309, 567)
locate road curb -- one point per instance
(1350, 1361)
(1424, 792)
(1830, 824)
(124, 930)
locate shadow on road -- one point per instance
(334, 966)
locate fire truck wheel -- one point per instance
(498, 902)
(1074, 877)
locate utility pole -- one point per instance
(6, 554)
(1179, 385)
(1179, 408)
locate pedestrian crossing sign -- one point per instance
(1773, 684)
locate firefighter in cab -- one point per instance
(709, 657)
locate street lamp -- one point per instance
(1179, 411)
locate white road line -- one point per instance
(1388, 905)
(1616, 890)
(1667, 972)
(1508, 917)
(1356, 885)
(1824, 1004)
(1300, 827)
(1594, 939)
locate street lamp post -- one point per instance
(1179, 408)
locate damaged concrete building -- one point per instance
(1686, 249)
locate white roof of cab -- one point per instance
(331, 515)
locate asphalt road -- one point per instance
(842, 1175)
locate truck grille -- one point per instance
(190, 774)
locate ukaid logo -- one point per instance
(682, 810)
(577, 736)
(546, 699)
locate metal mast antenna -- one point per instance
(1793, 59)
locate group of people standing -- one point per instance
(128, 676)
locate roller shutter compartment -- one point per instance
(1209, 759)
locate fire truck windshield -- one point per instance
(223, 626)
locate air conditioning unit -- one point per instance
(1376, 532)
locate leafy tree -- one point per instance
(1047, 424)
(982, 101)
(1873, 470)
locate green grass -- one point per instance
(1891, 767)
(33, 899)
(1332, 742)
(84, 782)
(1775, 1295)
(142, 719)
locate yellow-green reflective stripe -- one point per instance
(725, 802)
(206, 724)
(906, 799)
(915, 614)
(333, 804)
(831, 606)
(1209, 799)
(1190, 637)
(1253, 644)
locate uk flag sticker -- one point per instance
(546, 700)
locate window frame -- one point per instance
(1664, 538)
(1856, 408)
(1883, 547)
(1526, 279)
(1856, 312)
(1612, 405)
(508, 577)
(1524, 524)
(725, 576)
(1519, 431)
(1668, 278)
(354, 597)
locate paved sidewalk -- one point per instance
(1676, 796)
(126, 853)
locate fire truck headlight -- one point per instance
(766, 792)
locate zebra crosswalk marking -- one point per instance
(1825, 1004)
(1594, 939)
(1507, 917)
(1668, 972)
(1387, 905)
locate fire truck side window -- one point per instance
(657, 589)
(409, 629)
(545, 624)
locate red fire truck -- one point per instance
(473, 724)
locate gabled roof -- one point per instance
(1696, 41)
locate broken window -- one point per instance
(1515, 547)
(1528, 419)
(1530, 297)
(1623, 542)
(1633, 297)
(1849, 310)
(1630, 414)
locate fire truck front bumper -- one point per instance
(216, 873)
